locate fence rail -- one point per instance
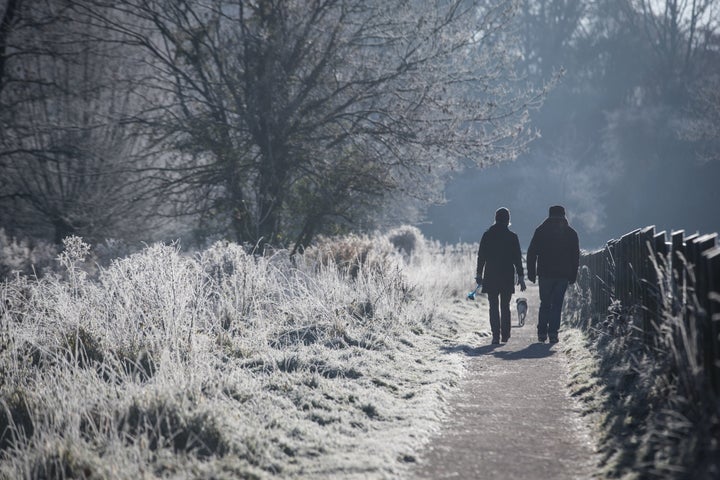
(647, 274)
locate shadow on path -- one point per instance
(534, 350)
(470, 351)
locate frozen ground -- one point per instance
(226, 365)
(512, 415)
(223, 364)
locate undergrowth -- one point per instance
(227, 364)
(657, 412)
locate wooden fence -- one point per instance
(624, 273)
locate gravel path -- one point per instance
(512, 417)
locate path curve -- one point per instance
(512, 417)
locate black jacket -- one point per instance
(555, 250)
(499, 257)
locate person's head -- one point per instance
(502, 216)
(557, 211)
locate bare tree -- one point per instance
(548, 30)
(288, 118)
(68, 155)
(678, 32)
(703, 126)
(7, 19)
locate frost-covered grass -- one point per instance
(24, 256)
(655, 411)
(226, 364)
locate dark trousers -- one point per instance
(552, 295)
(500, 314)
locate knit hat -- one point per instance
(557, 211)
(502, 215)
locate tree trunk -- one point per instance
(62, 229)
(5, 27)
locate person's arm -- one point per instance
(517, 260)
(481, 259)
(532, 258)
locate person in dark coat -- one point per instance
(499, 259)
(554, 255)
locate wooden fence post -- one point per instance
(678, 270)
(701, 305)
(609, 272)
(625, 277)
(594, 262)
(712, 262)
(699, 246)
(601, 266)
(691, 255)
(648, 282)
(620, 270)
(662, 249)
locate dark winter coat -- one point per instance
(554, 250)
(499, 257)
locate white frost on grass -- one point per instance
(229, 365)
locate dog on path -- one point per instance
(522, 307)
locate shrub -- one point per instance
(407, 240)
(58, 459)
(165, 423)
(24, 256)
(352, 253)
(136, 361)
(15, 417)
(223, 259)
(83, 348)
(112, 249)
(73, 259)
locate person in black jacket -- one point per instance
(499, 259)
(554, 254)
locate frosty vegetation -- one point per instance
(655, 408)
(226, 363)
(254, 120)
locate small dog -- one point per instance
(522, 307)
